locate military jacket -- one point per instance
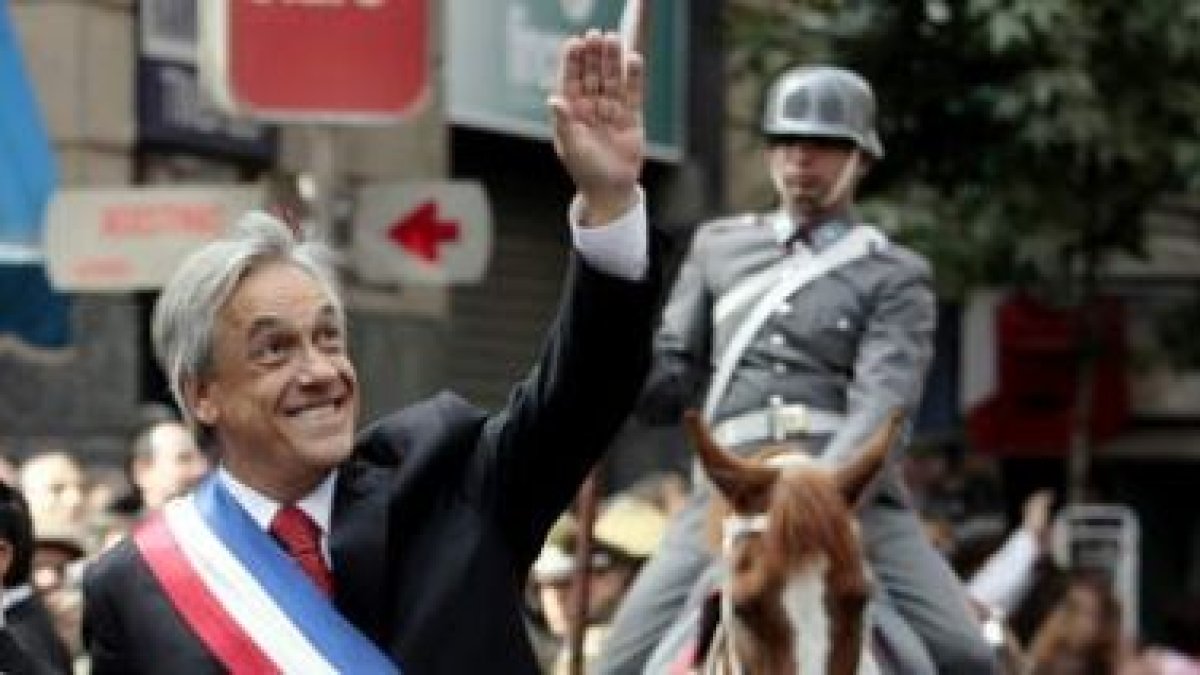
(857, 340)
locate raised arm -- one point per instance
(536, 451)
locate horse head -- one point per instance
(798, 584)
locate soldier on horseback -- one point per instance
(805, 326)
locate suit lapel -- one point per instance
(358, 546)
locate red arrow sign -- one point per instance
(421, 233)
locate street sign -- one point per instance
(135, 238)
(174, 112)
(501, 57)
(316, 60)
(422, 233)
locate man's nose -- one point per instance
(317, 366)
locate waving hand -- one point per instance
(596, 112)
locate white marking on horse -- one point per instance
(804, 603)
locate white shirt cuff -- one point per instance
(619, 248)
(1007, 576)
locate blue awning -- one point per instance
(30, 310)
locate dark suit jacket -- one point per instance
(440, 512)
(15, 660)
(32, 628)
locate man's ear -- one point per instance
(744, 484)
(198, 395)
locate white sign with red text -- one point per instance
(134, 238)
(422, 233)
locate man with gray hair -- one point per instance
(804, 326)
(311, 551)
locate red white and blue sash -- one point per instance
(249, 602)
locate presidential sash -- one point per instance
(246, 600)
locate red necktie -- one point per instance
(302, 539)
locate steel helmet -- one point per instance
(823, 101)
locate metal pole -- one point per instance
(322, 157)
(585, 517)
(633, 30)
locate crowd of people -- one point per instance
(57, 514)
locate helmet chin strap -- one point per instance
(836, 191)
(843, 180)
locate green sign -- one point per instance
(501, 57)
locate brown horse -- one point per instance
(798, 585)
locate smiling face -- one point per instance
(281, 394)
(807, 173)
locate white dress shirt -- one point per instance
(1006, 578)
(318, 504)
(619, 248)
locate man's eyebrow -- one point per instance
(264, 324)
(267, 323)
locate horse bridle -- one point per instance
(733, 528)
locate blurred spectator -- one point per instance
(949, 480)
(1082, 633)
(666, 490)
(164, 462)
(106, 525)
(105, 485)
(960, 501)
(58, 547)
(998, 586)
(1005, 579)
(60, 552)
(25, 618)
(626, 533)
(55, 486)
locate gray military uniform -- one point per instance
(851, 345)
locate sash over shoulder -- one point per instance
(243, 596)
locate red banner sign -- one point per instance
(316, 60)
